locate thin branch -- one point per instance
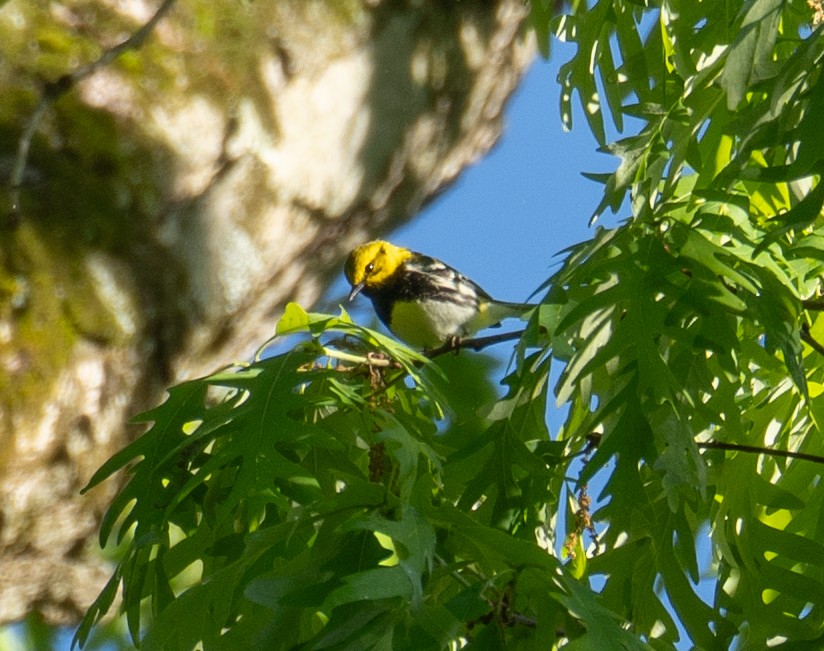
(517, 619)
(757, 449)
(134, 42)
(23, 146)
(811, 341)
(813, 304)
(54, 90)
(476, 344)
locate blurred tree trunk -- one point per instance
(177, 197)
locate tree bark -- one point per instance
(175, 198)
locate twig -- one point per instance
(757, 449)
(54, 90)
(811, 341)
(454, 346)
(476, 344)
(813, 304)
(23, 146)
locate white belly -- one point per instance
(433, 326)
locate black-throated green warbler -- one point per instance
(423, 301)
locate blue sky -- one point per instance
(509, 214)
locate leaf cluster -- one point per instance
(687, 324)
(324, 498)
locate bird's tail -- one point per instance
(500, 310)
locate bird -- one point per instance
(423, 301)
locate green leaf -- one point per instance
(751, 52)
(800, 216)
(371, 585)
(540, 15)
(414, 544)
(603, 629)
(294, 319)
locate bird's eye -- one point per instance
(370, 267)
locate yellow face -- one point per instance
(373, 263)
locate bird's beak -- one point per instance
(356, 289)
